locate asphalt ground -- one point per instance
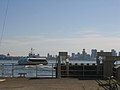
(49, 84)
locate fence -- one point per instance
(53, 70)
(82, 71)
(15, 70)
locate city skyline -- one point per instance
(81, 55)
(92, 53)
(53, 26)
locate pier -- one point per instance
(49, 84)
(60, 75)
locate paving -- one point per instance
(49, 84)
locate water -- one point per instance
(10, 68)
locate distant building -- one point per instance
(93, 54)
(73, 56)
(113, 52)
(78, 56)
(50, 57)
(101, 50)
(84, 54)
(8, 57)
(2, 57)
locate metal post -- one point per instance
(36, 71)
(83, 70)
(2, 70)
(67, 68)
(52, 70)
(12, 69)
(59, 68)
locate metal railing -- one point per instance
(15, 70)
(82, 71)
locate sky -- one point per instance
(50, 26)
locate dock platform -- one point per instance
(49, 84)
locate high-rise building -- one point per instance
(83, 54)
(78, 55)
(93, 54)
(73, 55)
(113, 52)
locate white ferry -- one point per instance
(33, 59)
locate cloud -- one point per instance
(87, 32)
(87, 38)
(22, 45)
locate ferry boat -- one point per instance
(33, 59)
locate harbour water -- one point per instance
(10, 68)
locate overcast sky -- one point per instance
(50, 26)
